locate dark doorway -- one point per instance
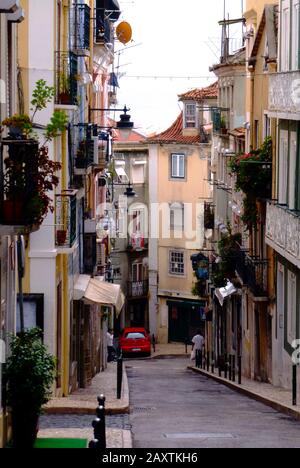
(184, 320)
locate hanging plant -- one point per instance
(253, 177)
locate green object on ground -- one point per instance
(61, 444)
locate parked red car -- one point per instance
(135, 341)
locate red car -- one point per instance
(135, 341)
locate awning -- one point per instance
(120, 172)
(80, 287)
(106, 294)
(223, 293)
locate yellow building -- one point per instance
(11, 14)
(261, 56)
(178, 173)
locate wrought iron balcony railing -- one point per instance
(80, 29)
(103, 29)
(136, 289)
(253, 272)
(209, 215)
(19, 190)
(65, 218)
(66, 73)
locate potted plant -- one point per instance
(64, 94)
(61, 236)
(29, 172)
(223, 126)
(19, 126)
(29, 373)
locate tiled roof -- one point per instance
(198, 94)
(174, 134)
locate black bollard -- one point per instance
(119, 377)
(102, 428)
(233, 368)
(212, 363)
(230, 367)
(295, 385)
(226, 367)
(208, 362)
(97, 428)
(94, 444)
(101, 400)
(200, 359)
(240, 369)
(153, 343)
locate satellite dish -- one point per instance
(124, 32)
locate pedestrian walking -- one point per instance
(197, 343)
(110, 346)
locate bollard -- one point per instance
(233, 368)
(99, 441)
(119, 377)
(219, 367)
(197, 359)
(230, 367)
(295, 385)
(240, 369)
(200, 359)
(101, 400)
(208, 362)
(101, 415)
(212, 363)
(226, 367)
(154, 343)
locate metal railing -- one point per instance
(253, 272)
(19, 192)
(80, 29)
(66, 85)
(103, 31)
(65, 218)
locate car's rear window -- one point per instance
(134, 336)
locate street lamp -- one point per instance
(124, 125)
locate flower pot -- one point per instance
(25, 427)
(13, 213)
(64, 98)
(61, 237)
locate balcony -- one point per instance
(20, 201)
(284, 95)
(103, 31)
(65, 220)
(282, 232)
(220, 119)
(137, 243)
(253, 272)
(209, 216)
(66, 73)
(137, 289)
(80, 26)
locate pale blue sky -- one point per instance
(172, 38)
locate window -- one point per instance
(283, 167)
(292, 170)
(178, 166)
(176, 266)
(295, 35)
(137, 272)
(138, 174)
(267, 126)
(177, 216)
(285, 34)
(190, 116)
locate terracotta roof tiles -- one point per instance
(198, 94)
(174, 134)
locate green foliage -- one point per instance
(41, 96)
(229, 247)
(57, 125)
(253, 177)
(30, 373)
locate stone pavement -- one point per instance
(275, 397)
(84, 401)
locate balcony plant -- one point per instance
(29, 172)
(29, 373)
(64, 88)
(228, 247)
(253, 173)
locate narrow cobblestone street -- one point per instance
(173, 408)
